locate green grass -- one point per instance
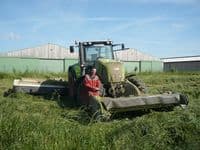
(33, 122)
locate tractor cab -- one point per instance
(91, 51)
(94, 52)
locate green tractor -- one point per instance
(119, 92)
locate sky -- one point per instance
(162, 28)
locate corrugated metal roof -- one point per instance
(54, 51)
(181, 59)
(133, 55)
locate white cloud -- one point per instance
(137, 22)
(13, 36)
(73, 18)
(178, 26)
(10, 36)
(107, 19)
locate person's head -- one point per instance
(93, 71)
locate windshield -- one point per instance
(94, 52)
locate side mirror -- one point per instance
(71, 48)
(123, 47)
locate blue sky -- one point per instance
(162, 28)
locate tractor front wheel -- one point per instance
(140, 85)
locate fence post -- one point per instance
(64, 65)
(140, 66)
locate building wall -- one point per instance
(182, 66)
(11, 64)
(132, 66)
(143, 66)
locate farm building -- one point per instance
(187, 63)
(56, 58)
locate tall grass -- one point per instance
(33, 122)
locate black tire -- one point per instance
(140, 85)
(72, 83)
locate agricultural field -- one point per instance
(45, 123)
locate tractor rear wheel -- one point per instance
(72, 84)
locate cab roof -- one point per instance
(108, 42)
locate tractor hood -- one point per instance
(110, 71)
